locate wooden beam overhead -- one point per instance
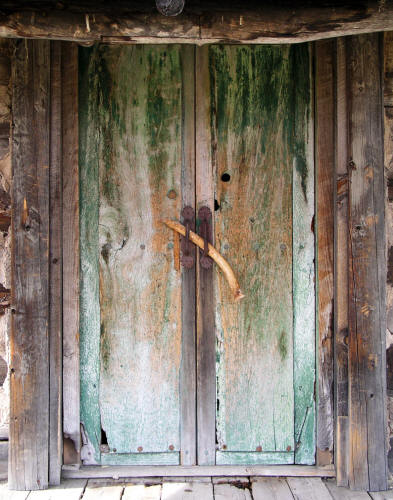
(200, 23)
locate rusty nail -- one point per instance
(224, 446)
(289, 448)
(140, 448)
(114, 450)
(258, 448)
(171, 447)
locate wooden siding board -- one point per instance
(341, 269)
(303, 259)
(71, 274)
(325, 164)
(206, 335)
(55, 269)
(253, 230)
(29, 349)
(188, 362)
(367, 323)
(89, 258)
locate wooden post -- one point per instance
(29, 346)
(367, 267)
(324, 143)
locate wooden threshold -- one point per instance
(116, 472)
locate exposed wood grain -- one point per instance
(325, 164)
(142, 492)
(253, 231)
(135, 138)
(271, 488)
(388, 67)
(187, 491)
(254, 457)
(188, 360)
(216, 470)
(341, 270)
(68, 490)
(208, 22)
(89, 301)
(230, 492)
(71, 384)
(308, 488)
(339, 493)
(55, 269)
(29, 349)
(103, 493)
(367, 282)
(206, 335)
(303, 258)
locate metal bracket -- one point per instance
(187, 248)
(205, 231)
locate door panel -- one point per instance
(132, 107)
(260, 119)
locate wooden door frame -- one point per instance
(46, 402)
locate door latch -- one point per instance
(205, 231)
(187, 248)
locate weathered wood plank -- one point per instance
(6, 494)
(188, 424)
(192, 471)
(325, 164)
(271, 488)
(246, 22)
(71, 384)
(367, 322)
(142, 492)
(303, 210)
(339, 493)
(206, 335)
(253, 230)
(67, 490)
(103, 492)
(381, 495)
(230, 492)
(254, 458)
(55, 269)
(29, 349)
(185, 491)
(304, 488)
(89, 301)
(341, 270)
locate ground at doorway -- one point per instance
(253, 488)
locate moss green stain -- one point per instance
(282, 345)
(105, 347)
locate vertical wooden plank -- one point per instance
(325, 158)
(341, 269)
(89, 300)
(206, 369)
(253, 113)
(29, 349)
(71, 389)
(303, 257)
(55, 269)
(188, 362)
(367, 264)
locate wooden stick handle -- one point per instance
(213, 253)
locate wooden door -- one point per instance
(172, 369)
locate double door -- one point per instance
(173, 369)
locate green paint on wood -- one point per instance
(251, 96)
(140, 458)
(254, 458)
(303, 259)
(135, 134)
(89, 250)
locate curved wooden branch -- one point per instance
(213, 253)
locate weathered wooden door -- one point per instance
(173, 370)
